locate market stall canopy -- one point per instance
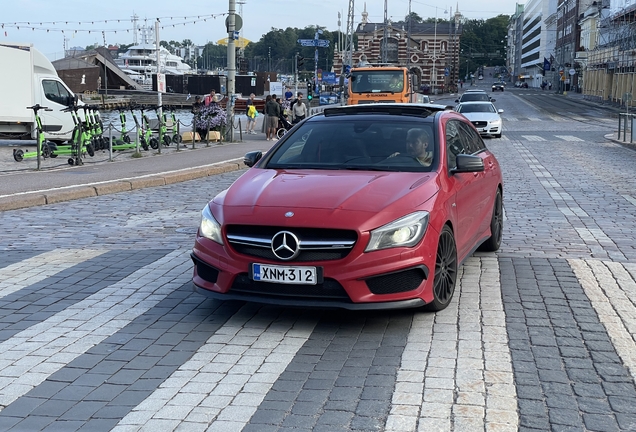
(241, 42)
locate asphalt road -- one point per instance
(100, 329)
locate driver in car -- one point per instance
(418, 148)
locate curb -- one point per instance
(33, 199)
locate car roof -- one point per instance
(475, 103)
(401, 109)
(475, 91)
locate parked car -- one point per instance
(484, 116)
(359, 207)
(498, 86)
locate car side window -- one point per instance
(454, 142)
(473, 141)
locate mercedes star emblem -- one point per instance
(285, 245)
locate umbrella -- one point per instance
(241, 42)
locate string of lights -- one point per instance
(57, 26)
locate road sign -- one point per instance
(446, 72)
(306, 42)
(238, 22)
(320, 43)
(572, 72)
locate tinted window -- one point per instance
(470, 108)
(468, 97)
(472, 141)
(55, 92)
(454, 143)
(378, 144)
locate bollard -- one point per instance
(620, 117)
(625, 129)
(194, 133)
(110, 143)
(240, 130)
(631, 135)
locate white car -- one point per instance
(484, 116)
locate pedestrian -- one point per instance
(210, 98)
(196, 106)
(299, 109)
(288, 94)
(549, 85)
(252, 113)
(272, 109)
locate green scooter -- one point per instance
(44, 148)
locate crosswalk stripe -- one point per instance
(227, 378)
(33, 270)
(468, 380)
(612, 292)
(533, 138)
(56, 341)
(569, 138)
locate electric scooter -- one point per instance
(176, 136)
(141, 138)
(163, 128)
(152, 141)
(44, 148)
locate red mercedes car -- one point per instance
(360, 207)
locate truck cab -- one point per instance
(31, 79)
(381, 84)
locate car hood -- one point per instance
(326, 192)
(482, 116)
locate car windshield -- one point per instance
(377, 144)
(377, 81)
(481, 108)
(467, 97)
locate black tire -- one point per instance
(18, 155)
(154, 143)
(71, 161)
(493, 243)
(167, 140)
(497, 135)
(445, 276)
(280, 132)
(46, 150)
(126, 139)
(54, 155)
(176, 138)
(90, 149)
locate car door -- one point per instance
(464, 186)
(485, 182)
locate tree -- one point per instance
(413, 16)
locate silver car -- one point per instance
(484, 116)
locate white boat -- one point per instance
(143, 59)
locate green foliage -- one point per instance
(483, 42)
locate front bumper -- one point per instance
(388, 279)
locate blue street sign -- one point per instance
(446, 71)
(320, 43)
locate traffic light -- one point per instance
(300, 61)
(310, 90)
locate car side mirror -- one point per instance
(467, 164)
(252, 157)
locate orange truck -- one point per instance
(378, 84)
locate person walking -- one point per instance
(272, 109)
(252, 113)
(299, 109)
(289, 94)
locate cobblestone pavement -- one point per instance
(100, 329)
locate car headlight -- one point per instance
(406, 231)
(495, 122)
(209, 227)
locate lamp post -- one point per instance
(434, 72)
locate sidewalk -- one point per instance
(22, 185)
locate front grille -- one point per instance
(480, 123)
(366, 101)
(316, 244)
(329, 290)
(402, 281)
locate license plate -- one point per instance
(283, 274)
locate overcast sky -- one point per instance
(259, 17)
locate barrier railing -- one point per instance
(626, 124)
